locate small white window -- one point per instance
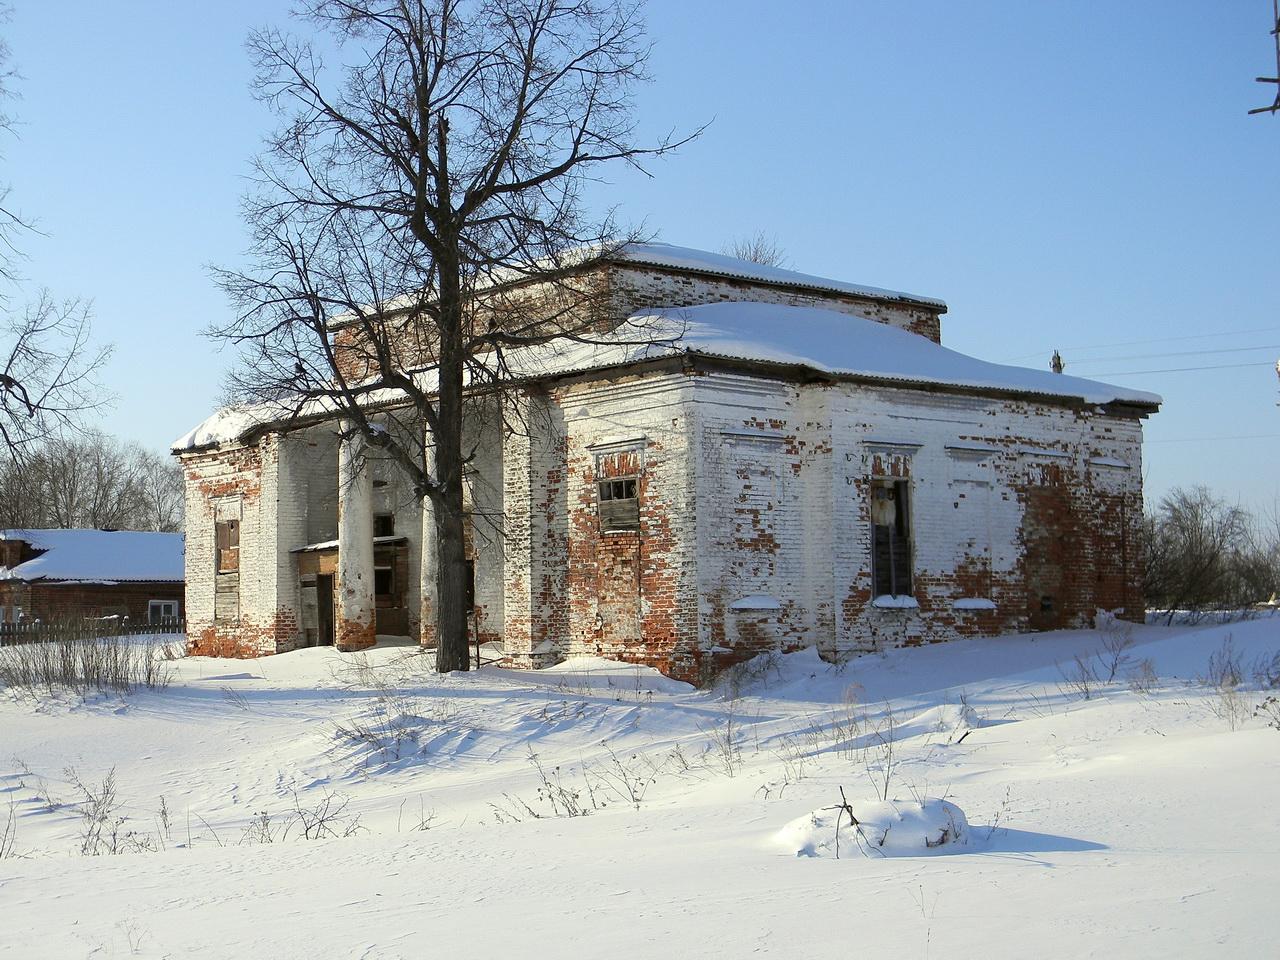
(160, 611)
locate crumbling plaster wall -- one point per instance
(1013, 504)
(572, 588)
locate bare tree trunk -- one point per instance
(451, 611)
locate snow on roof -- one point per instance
(227, 423)
(838, 344)
(99, 556)
(687, 258)
(823, 340)
(656, 255)
(333, 544)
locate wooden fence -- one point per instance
(36, 631)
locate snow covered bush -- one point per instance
(1269, 710)
(888, 828)
(1225, 670)
(99, 664)
(1266, 671)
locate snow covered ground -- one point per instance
(1138, 821)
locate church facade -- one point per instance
(799, 462)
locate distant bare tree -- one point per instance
(91, 481)
(408, 199)
(161, 493)
(1202, 553)
(759, 248)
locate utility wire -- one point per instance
(1252, 436)
(1134, 343)
(1221, 366)
(1177, 353)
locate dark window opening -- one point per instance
(619, 505)
(162, 611)
(383, 581)
(384, 525)
(227, 535)
(891, 538)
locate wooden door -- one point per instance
(324, 608)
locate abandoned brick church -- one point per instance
(799, 461)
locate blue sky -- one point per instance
(1078, 175)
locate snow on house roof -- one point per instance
(99, 556)
(827, 342)
(702, 261)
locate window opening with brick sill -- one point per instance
(227, 536)
(891, 543)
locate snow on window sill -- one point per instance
(890, 602)
(973, 603)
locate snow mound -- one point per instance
(888, 828)
(602, 675)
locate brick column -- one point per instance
(430, 561)
(530, 637)
(517, 563)
(355, 628)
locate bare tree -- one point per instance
(408, 205)
(759, 247)
(10, 221)
(48, 365)
(49, 377)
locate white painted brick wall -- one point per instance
(636, 287)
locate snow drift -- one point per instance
(888, 828)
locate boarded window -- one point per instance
(619, 504)
(891, 538)
(227, 534)
(226, 596)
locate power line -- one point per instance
(1134, 343)
(1178, 353)
(1221, 366)
(1253, 436)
